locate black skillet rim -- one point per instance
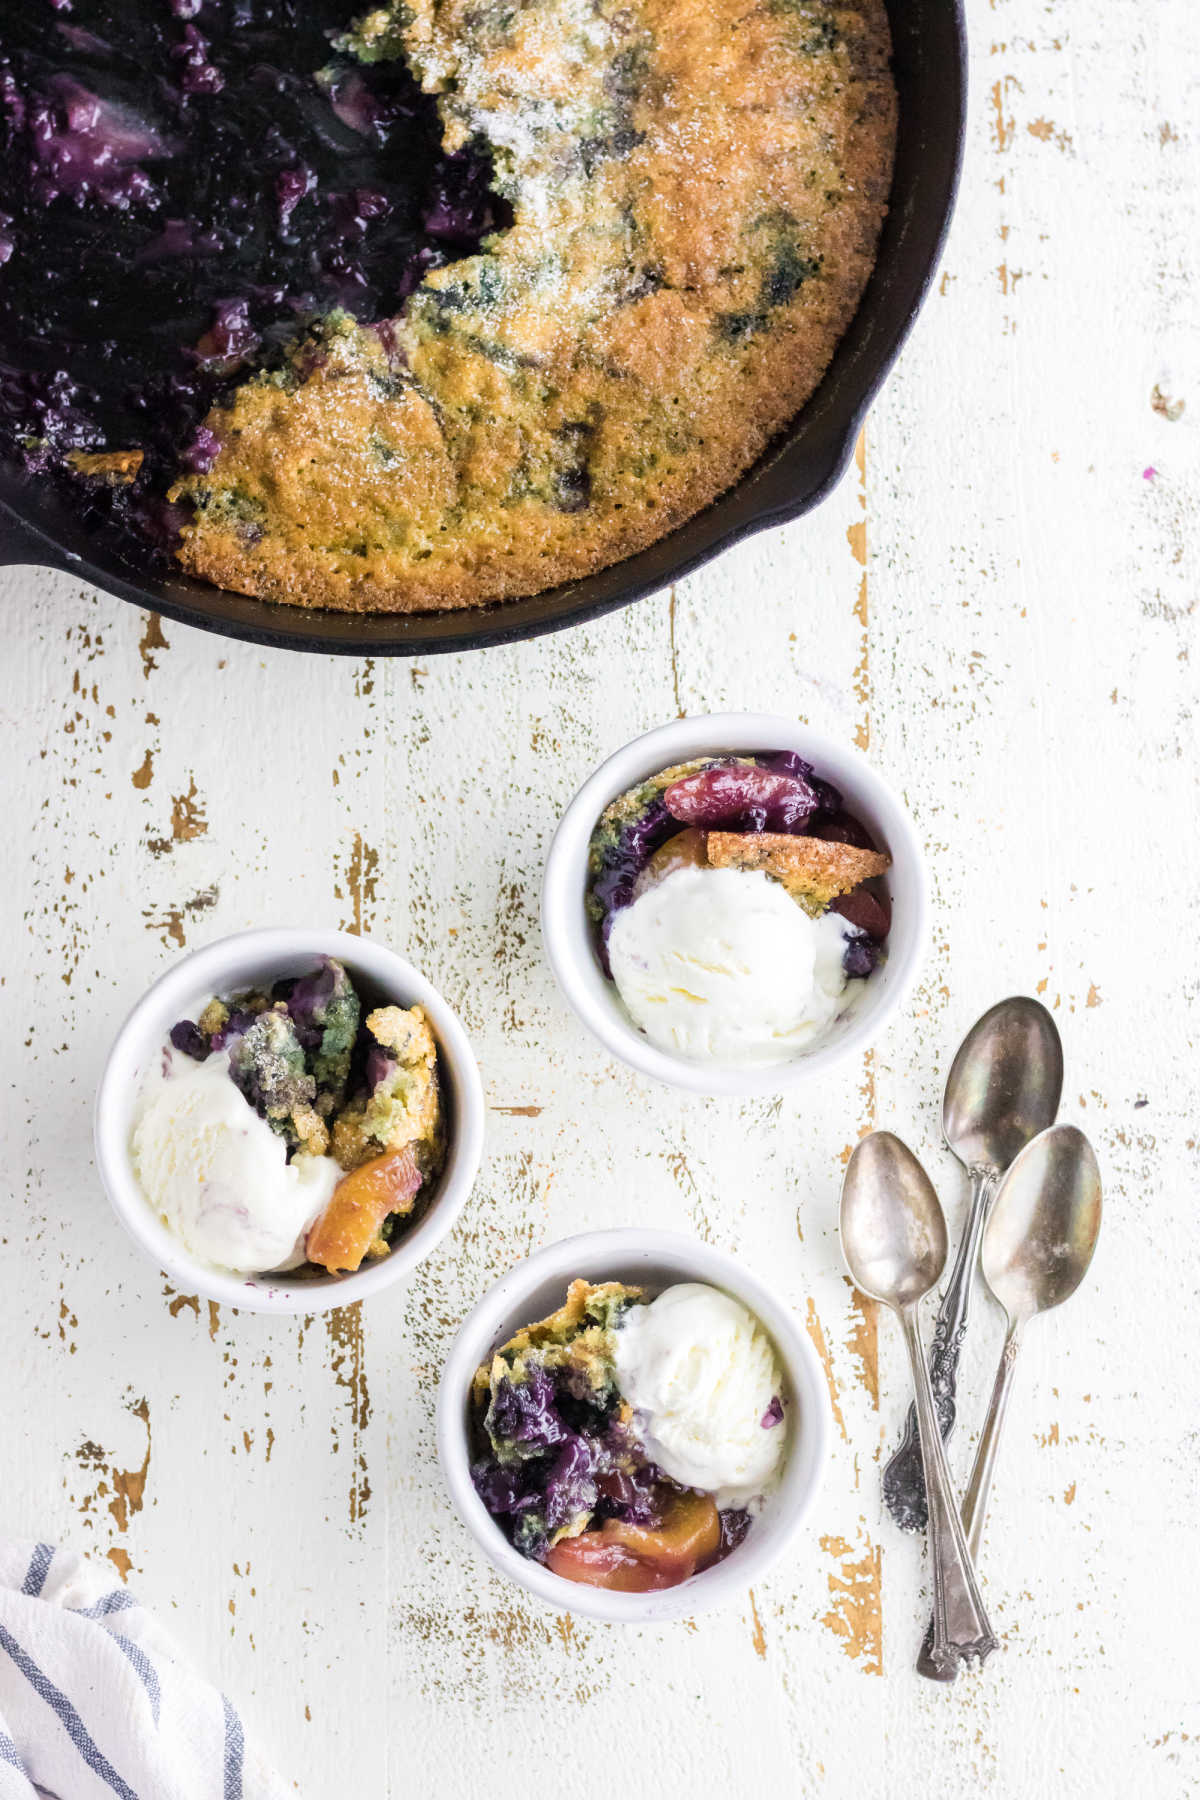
(822, 435)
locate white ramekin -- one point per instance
(257, 958)
(569, 937)
(656, 1259)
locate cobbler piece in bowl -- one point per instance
(285, 1131)
(736, 903)
(600, 1449)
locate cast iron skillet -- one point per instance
(38, 526)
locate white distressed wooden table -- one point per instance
(998, 604)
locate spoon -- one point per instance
(894, 1241)
(1003, 1088)
(1037, 1245)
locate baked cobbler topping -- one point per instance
(379, 383)
(284, 1130)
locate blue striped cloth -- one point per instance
(96, 1702)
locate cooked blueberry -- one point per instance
(735, 1523)
(502, 1489)
(861, 956)
(523, 1417)
(630, 1494)
(570, 1487)
(197, 75)
(188, 1037)
(238, 1022)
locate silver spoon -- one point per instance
(894, 1240)
(1037, 1245)
(1003, 1088)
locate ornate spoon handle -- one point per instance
(974, 1505)
(903, 1479)
(960, 1625)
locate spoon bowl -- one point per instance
(1042, 1231)
(894, 1241)
(1037, 1246)
(893, 1229)
(1003, 1088)
(1004, 1084)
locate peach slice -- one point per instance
(686, 850)
(638, 1559)
(349, 1227)
(599, 1562)
(690, 1532)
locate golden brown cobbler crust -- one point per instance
(811, 869)
(697, 192)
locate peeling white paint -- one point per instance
(1031, 544)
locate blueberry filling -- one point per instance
(539, 1477)
(183, 189)
(624, 861)
(551, 1457)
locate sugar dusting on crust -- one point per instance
(696, 200)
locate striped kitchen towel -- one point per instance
(96, 1702)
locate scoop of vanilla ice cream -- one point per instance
(218, 1176)
(701, 1375)
(723, 965)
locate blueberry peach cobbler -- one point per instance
(441, 304)
(283, 1131)
(736, 904)
(628, 1441)
(192, 192)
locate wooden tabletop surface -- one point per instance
(999, 605)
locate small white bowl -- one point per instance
(656, 1259)
(569, 934)
(254, 959)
